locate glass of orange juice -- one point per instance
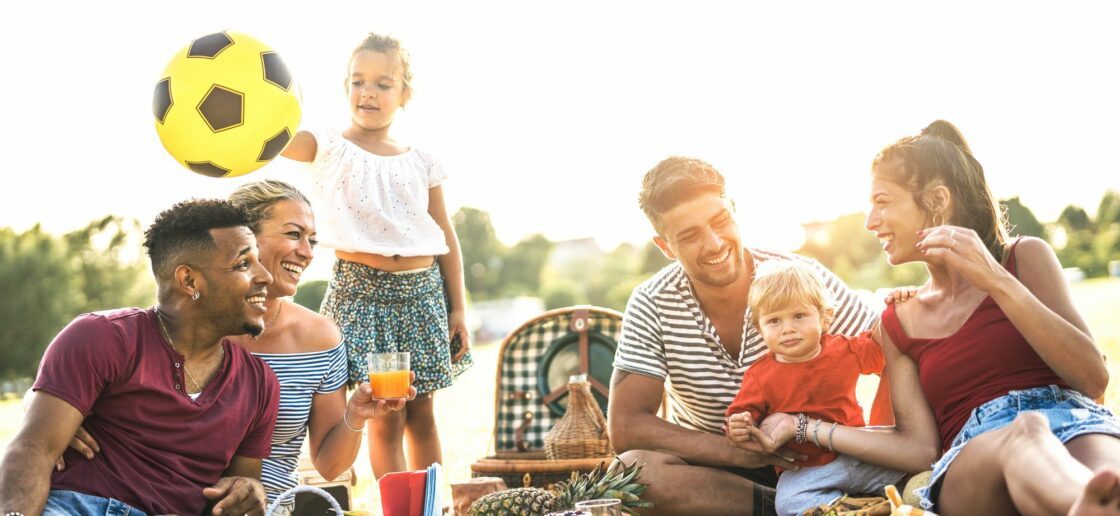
(388, 374)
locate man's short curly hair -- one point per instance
(184, 230)
(673, 181)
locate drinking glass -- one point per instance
(601, 507)
(388, 374)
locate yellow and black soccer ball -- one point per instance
(226, 105)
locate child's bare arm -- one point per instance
(451, 266)
(302, 148)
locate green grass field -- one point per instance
(465, 413)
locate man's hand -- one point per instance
(237, 495)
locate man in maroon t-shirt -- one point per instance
(182, 416)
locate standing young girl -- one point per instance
(398, 277)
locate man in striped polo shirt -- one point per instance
(685, 330)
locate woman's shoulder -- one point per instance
(1031, 256)
(1030, 245)
(313, 331)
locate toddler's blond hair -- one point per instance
(781, 283)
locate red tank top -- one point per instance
(983, 360)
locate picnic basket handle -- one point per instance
(303, 489)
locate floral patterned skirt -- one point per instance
(380, 311)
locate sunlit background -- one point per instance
(546, 115)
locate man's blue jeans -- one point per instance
(65, 503)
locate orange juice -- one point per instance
(389, 384)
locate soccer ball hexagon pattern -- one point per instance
(226, 105)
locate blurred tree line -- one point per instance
(494, 270)
(47, 280)
(1090, 243)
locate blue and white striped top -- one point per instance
(301, 375)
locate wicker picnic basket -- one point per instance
(535, 363)
(582, 432)
(532, 469)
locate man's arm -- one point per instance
(25, 473)
(634, 425)
(239, 491)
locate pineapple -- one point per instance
(614, 481)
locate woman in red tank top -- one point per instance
(1005, 362)
(991, 358)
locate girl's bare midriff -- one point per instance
(387, 263)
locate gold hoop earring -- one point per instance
(935, 222)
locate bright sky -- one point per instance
(547, 116)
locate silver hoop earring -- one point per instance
(195, 296)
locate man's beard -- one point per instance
(701, 276)
(254, 330)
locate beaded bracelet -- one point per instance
(802, 428)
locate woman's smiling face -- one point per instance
(895, 219)
(287, 242)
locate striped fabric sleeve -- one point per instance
(640, 345)
(334, 378)
(852, 314)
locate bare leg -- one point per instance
(384, 435)
(679, 488)
(1021, 468)
(1101, 496)
(420, 428)
(1096, 450)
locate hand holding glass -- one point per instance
(388, 374)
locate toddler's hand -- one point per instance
(740, 430)
(900, 295)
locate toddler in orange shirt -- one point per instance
(812, 375)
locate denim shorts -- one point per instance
(73, 503)
(1071, 415)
